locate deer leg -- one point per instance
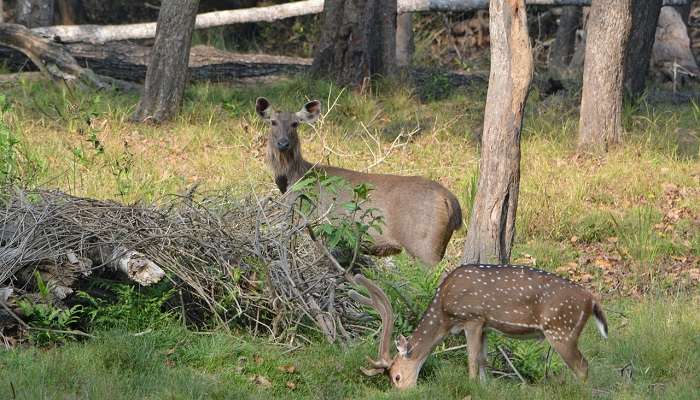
(475, 339)
(568, 350)
(483, 357)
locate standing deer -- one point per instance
(516, 301)
(419, 215)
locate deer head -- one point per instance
(401, 368)
(283, 147)
(283, 125)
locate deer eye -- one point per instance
(295, 124)
(273, 122)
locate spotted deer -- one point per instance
(517, 301)
(419, 215)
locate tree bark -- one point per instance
(167, 71)
(33, 13)
(645, 16)
(565, 40)
(358, 40)
(609, 28)
(404, 39)
(492, 225)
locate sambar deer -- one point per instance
(516, 301)
(419, 215)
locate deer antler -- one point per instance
(380, 302)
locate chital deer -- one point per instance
(516, 301)
(419, 215)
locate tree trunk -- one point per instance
(404, 39)
(2, 13)
(645, 16)
(565, 41)
(358, 40)
(167, 71)
(33, 13)
(609, 26)
(492, 226)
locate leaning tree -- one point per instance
(358, 40)
(167, 70)
(492, 225)
(609, 26)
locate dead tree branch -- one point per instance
(97, 34)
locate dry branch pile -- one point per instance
(247, 262)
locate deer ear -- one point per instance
(402, 346)
(310, 112)
(263, 108)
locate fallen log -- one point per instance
(128, 62)
(133, 264)
(97, 34)
(51, 58)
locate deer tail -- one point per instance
(455, 212)
(600, 320)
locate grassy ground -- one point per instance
(627, 225)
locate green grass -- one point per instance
(657, 340)
(638, 206)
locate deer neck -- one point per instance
(431, 331)
(288, 167)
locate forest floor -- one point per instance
(626, 225)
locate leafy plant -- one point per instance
(8, 146)
(348, 233)
(528, 357)
(471, 193)
(131, 308)
(54, 321)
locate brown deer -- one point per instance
(419, 215)
(516, 301)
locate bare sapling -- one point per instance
(517, 301)
(419, 215)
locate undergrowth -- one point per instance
(626, 225)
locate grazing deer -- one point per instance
(419, 215)
(516, 301)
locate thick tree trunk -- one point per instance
(404, 39)
(609, 27)
(565, 41)
(492, 226)
(33, 13)
(645, 16)
(167, 71)
(358, 40)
